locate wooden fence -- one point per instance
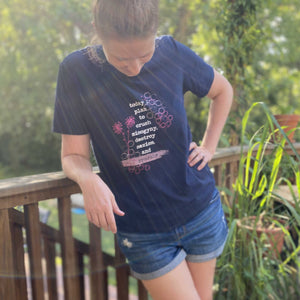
(23, 237)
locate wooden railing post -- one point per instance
(33, 236)
(50, 253)
(231, 174)
(98, 272)
(7, 276)
(218, 175)
(121, 274)
(71, 274)
(80, 261)
(19, 264)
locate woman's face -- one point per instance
(129, 56)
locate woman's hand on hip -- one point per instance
(197, 154)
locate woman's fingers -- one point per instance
(116, 208)
(111, 222)
(100, 204)
(103, 220)
(195, 157)
(102, 215)
(202, 164)
(193, 145)
(199, 153)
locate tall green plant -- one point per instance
(252, 183)
(294, 210)
(245, 270)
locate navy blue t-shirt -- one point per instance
(139, 131)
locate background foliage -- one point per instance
(254, 43)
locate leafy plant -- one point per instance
(252, 183)
(246, 269)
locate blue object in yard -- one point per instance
(78, 211)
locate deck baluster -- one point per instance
(98, 272)
(81, 274)
(33, 237)
(19, 265)
(122, 274)
(72, 286)
(50, 254)
(8, 283)
(218, 175)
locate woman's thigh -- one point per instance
(203, 277)
(178, 284)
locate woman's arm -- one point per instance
(99, 202)
(221, 94)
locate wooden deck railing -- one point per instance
(24, 237)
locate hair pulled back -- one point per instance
(125, 18)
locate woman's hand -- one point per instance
(99, 203)
(197, 154)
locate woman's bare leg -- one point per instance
(203, 277)
(178, 284)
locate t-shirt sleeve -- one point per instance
(68, 109)
(198, 76)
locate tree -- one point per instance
(239, 30)
(276, 66)
(254, 43)
(35, 36)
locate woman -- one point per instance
(154, 190)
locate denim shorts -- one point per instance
(152, 255)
